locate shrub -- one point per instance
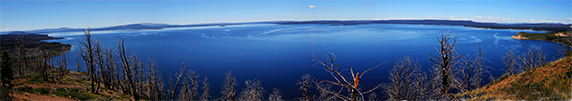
(74, 93)
(42, 90)
(24, 89)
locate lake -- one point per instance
(278, 55)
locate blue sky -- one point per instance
(26, 15)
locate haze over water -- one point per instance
(278, 55)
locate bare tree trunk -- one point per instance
(127, 68)
(88, 55)
(468, 74)
(194, 83)
(253, 91)
(446, 60)
(62, 62)
(22, 55)
(510, 63)
(305, 85)
(275, 96)
(402, 76)
(228, 91)
(156, 84)
(173, 87)
(206, 96)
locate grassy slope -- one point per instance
(72, 86)
(552, 81)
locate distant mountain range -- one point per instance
(150, 26)
(525, 26)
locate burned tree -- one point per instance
(155, 88)
(253, 91)
(22, 56)
(445, 61)
(352, 87)
(127, 68)
(305, 85)
(228, 91)
(87, 52)
(531, 59)
(275, 96)
(205, 96)
(467, 73)
(510, 63)
(173, 87)
(402, 79)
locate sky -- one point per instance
(39, 14)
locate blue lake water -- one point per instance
(278, 55)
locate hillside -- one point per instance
(549, 82)
(552, 81)
(71, 86)
(56, 83)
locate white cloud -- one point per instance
(546, 7)
(478, 17)
(311, 6)
(442, 16)
(5, 29)
(531, 19)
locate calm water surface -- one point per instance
(278, 55)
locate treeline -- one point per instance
(122, 70)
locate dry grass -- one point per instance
(548, 82)
(73, 80)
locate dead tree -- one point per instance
(421, 87)
(43, 61)
(185, 92)
(446, 60)
(193, 85)
(127, 68)
(401, 77)
(155, 88)
(531, 59)
(173, 87)
(22, 56)
(468, 73)
(275, 96)
(253, 91)
(352, 87)
(510, 62)
(305, 85)
(87, 52)
(481, 69)
(100, 61)
(78, 64)
(323, 94)
(228, 91)
(205, 96)
(62, 62)
(372, 96)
